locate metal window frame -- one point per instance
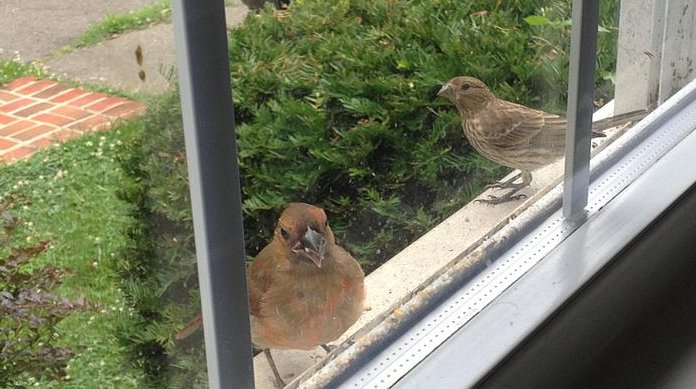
(583, 49)
(206, 100)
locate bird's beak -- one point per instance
(312, 246)
(444, 90)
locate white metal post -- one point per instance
(583, 49)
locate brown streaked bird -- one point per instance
(304, 289)
(514, 135)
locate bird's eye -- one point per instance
(284, 233)
(465, 86)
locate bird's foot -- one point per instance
(279, 383)
(509, 183)
(492, 200)
(502, 185)
(328, 347)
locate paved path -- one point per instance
(36, 113)
(38, 28)
(112, 62)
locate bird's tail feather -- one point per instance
(189, 328)
(617, 120)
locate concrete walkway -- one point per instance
(112, 62)
(36, 29)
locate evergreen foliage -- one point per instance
(335, 105)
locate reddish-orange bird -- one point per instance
(304, 289)
(511, 134)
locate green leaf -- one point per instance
(403, 64)
(537, 20)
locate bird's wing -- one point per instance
(261, 276)
(506, 124)
(347, 264)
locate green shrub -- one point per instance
(29, 312)
(335, 105)
(158, 265)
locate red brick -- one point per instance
(7, 96)
(103, 105)
(65, 134)
(87, 100)
(35, 132)
(69, 95)
(41, 143)
(52, 91)
(17, 104)
(93, 123)
(6, 143)
(5, 119)
(16, 127)
(36, 87)
(70, 112)
(129, 109)
(20, 82)
(34, 109)
(52, 119)
(18, 153)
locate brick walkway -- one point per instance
(37, 113)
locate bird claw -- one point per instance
(278, 380)
(492, 200)
(278, 383)
(509, 183)
(496, 185)
(328, 347)
(502, 185)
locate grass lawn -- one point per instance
(67, 195)
(13, 69)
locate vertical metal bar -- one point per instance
(583, 48)
(206, 99)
